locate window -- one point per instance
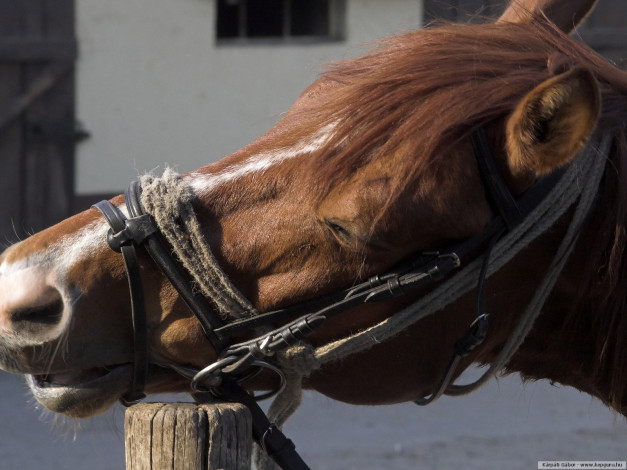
(280, 20)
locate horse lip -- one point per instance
(81, 398)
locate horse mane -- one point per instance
(452, 78)
(602, 300)
(418, 95)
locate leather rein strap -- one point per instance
(119, 241)
(222, 378)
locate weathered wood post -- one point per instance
(188, 436)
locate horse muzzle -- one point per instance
(81, 393)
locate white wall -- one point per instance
(153, 87)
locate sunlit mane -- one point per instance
(453, 78)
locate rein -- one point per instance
(154, 203)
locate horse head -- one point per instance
(372, 164)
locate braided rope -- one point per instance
(169, 201)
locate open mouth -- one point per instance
(73, 378)
(81, 393)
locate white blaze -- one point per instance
(203, 183)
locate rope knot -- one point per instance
(300, 359)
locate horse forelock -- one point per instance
(420, 94)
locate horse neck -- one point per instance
(580, 339)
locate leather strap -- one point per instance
(499, 195)
(125, 236)
(474, 336)
(198, 304)
(121, 240)
(271, 439)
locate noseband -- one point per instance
(238, 361)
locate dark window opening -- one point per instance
(309, 18)
(228, 13)
(283, 20)
(264, 18)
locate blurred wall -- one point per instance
(154, 88)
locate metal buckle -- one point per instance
(266, 434)
(474, 336)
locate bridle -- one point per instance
(237, 362)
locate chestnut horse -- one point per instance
(372, 164)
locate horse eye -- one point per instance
(337, 228)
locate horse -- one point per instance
(373, 165)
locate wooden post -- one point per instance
(188, 436)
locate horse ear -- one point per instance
(566, 14)
(552, 123)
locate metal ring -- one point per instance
(210, 373)
(199, 377)
(277, 371)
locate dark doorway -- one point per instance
(37, 124)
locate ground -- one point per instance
(502, 425)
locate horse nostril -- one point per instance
(47, 314)
(30, 305)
